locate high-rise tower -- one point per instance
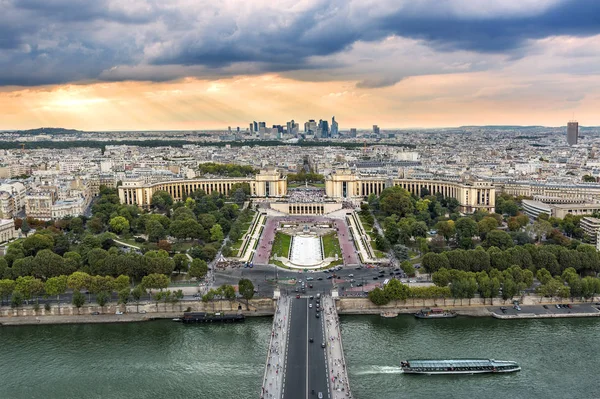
(572, 132)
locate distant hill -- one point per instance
(49, 130)
(503, 127)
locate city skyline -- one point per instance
(186, 66)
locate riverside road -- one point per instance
(306, 368)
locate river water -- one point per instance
(163, 359)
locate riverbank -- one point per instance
(264, 307)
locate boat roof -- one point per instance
(455, 363)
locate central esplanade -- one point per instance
(341, 185)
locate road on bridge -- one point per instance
(306, 368)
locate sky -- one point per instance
(196, 64)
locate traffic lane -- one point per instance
(317, 372)
(295, 371)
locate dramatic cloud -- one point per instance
(58, 41)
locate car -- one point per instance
(323, 344)
(311, 297)
(417, 266)
(320, 278)
(325, 271)
(320, 396)
(351, 275)
(318, 304)
(352, 280)
(300, 282)
(557, 306)
(397, 269)
(391, 273)
(517, 307)
(297, 289)
(317, 315)
(310, 340)
(298, 296)
(310, 286)
(329, 277)
(359, 285)
(95, 313)
(412, 281)
(318, 309)
(358, 268)
(569, 306)
(375, 278)
(309, 278)
(118, 312)
(142, 312)
(545, 306)
(310, 305)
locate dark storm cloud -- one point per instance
(571, 17)
(57, 41)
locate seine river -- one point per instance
(169, 360)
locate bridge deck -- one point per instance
(338, 375)
(273, 377)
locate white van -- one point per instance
(387, 280)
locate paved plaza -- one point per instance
(263, 250)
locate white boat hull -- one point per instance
(461, 372)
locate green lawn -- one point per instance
(281, 245)
(182, 246)
(331, 246)
(379, 254)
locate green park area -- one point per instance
(331, 247)
(281, 245)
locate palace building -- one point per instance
(340, 186)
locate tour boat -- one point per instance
(458, 366)
(435, 313)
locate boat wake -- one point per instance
(380, 370)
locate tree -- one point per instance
(35, 243)
(56, 286)
(121, 283)
(378, 297)
(394, 290)
(155, 231)
(124, 295)
(396, 200)
(102, 299)
(7, 287)
(78, 300)
(433, 262)
(198, 269)
(540, 228)
(408, 268)
(16, 300)
(47, 264)
(155, 281)
(486, 225)
(446, 229)
(136, 294)
(25, 229)
(588, 179)
(498, 238)
(79, 280)
(181, 262)
(95, 225)
(228, 292)
(216, 233)
(119, 225)
(161, 200)
(466, 229)
(29, 286)
(178, 297)
(246, 290)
